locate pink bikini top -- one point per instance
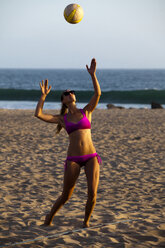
(84, 123)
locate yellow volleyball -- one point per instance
(73, 13)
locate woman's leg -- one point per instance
(92, 171)
(70, 176)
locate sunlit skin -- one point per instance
(80, 143)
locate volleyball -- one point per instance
(73, 13)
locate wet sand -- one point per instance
(130, 209)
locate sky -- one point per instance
(118, 33)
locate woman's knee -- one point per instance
(65, 196)
(92, 195)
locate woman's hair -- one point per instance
(63, 111)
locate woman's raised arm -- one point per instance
(38, 112)
(97, 91)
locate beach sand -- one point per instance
(130, 209)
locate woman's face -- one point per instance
(68, 96)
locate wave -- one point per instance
(136, 96)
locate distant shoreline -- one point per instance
(30, 105)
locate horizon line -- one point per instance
(76, 68)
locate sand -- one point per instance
(130, 205)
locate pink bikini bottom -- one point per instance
(81, 160)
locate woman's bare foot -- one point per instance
(47, 221)
(85, 225)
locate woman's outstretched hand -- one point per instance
(44, 87)
(92, 69)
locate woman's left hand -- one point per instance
(92, 69)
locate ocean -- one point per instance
(19, 88)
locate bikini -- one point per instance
(84, 123)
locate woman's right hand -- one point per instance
(44, 87)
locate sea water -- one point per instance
(19, 88)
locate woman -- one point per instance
(81, 151)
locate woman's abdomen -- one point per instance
(81, 143)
